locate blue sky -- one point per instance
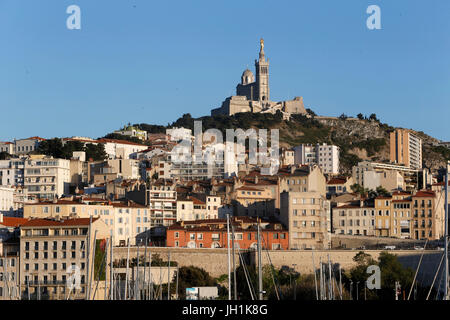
(151, 61)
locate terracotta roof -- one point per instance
(13, 221)
(127, 205)
(401, 193)
(248, 189)
(337, 181)
(197, 201)
(425, 193)
(34, 138)
(62, 223)
(104, 140)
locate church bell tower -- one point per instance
(262, 76)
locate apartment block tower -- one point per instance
(406, 148)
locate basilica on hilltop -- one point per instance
(253, 94)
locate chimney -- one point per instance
(256, 180)
(1, 217)
(292, 169)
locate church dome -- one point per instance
(247, 77)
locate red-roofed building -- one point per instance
(213, 234)
(339, 185)
(25, 146)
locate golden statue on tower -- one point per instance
(262, 43)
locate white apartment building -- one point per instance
(7, 147)
(192, 208)
(360, 175)
(129, 221)
(47, 177)
(163, 203)
(326, 156)
(121, 148)
(6, 200)
(11, 172)
(177, 134)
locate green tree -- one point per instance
(360, 116)
(95, 152)
(191, 276)
(51, 147)
(5, 155)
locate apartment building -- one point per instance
(406, 148)
(354, 218)
(254, 202)
(383, 216)
(306, 215)
(287, 157)
(25, 146)
(308, 178)
(372, 174)
(9, 257)
(12, 172)
(127, 220)
(46, 177)
(163, 203)
(428, 215)
(401, 226)
(9, 276)
(48, 248)
(326, 156)
(198, 208)
(417, 216)
(212, 233)
(190, 171)
(121, 148)
(339, 185)
(6, 200)
(7, 147)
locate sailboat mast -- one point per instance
(228, 252)
(126, 274)
(446, 235)
(260, 285)
(111, 269)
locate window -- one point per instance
(192, 236)
(177, 235)
(199, 236)
(275, 235)
(238, 236)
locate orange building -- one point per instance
(212, 233)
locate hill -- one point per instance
(359, 138)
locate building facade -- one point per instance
(406, 148)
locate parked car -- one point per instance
(389, 247)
